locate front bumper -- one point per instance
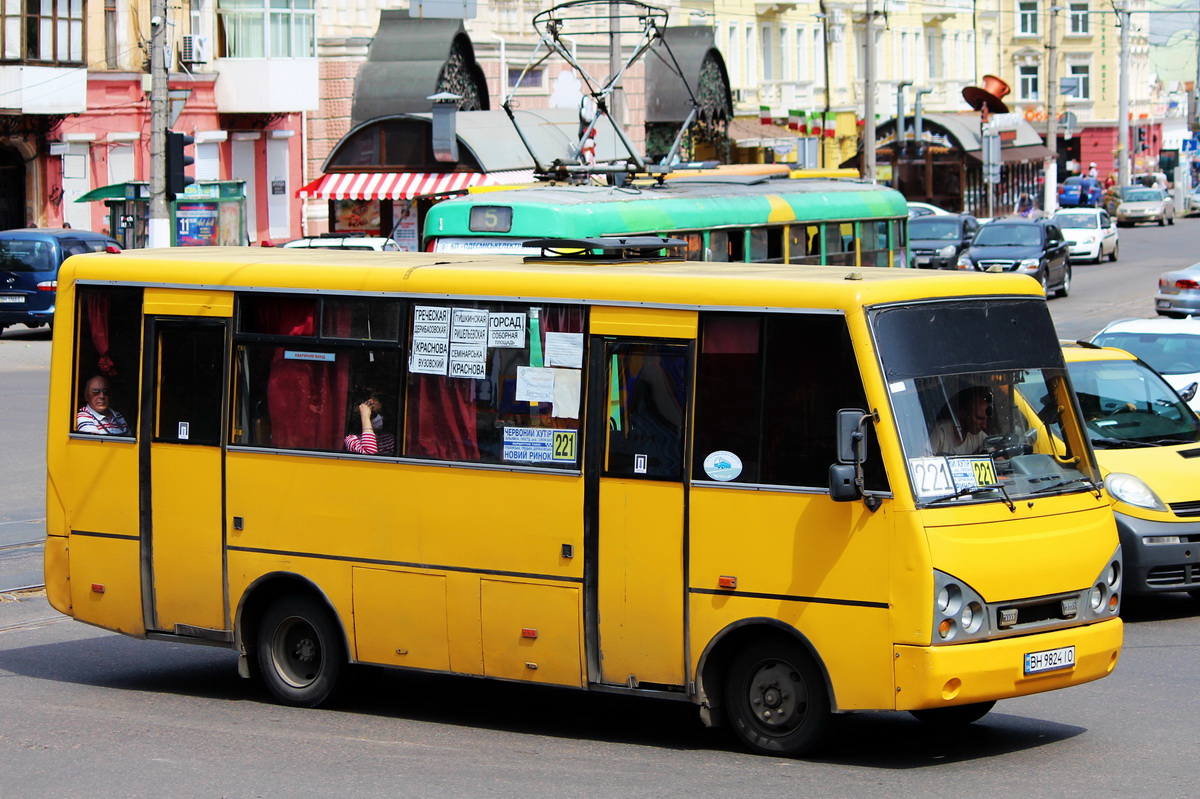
(941, 676)
(1158, 568)
(1086, 252)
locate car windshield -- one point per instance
(975, 434)
(1008, 236)
(1167, 354)
(23, 255)
(1144, 196)
(1077, 221)
(933, 228)
(1126, 404)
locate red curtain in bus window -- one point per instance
(306, 400)
(444, 425)
(98, 305)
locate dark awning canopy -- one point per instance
(962, 132)
(667, 98)
(411, 59)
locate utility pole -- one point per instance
(1050, 172)
(159, 231)
(616, 100)
(868, 161)
(828, 92)
(1122, 7)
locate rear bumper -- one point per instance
(932, 677)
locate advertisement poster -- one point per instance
(357, 216)
(404, 226)
(197, 224)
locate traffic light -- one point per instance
(177, 163)
(1141, 139)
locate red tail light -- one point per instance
(1187, 284)
(48, 285)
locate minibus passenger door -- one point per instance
(182, 479)
(637, 470)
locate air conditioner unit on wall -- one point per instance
(193, 50)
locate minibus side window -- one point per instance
(296, 389)
(768, 390)
(108, 337)
(496, 383)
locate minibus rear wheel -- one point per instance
(299, 651)
(776, 699)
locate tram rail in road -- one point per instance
(13, 578)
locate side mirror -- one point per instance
(1189, 392)
(851, 436)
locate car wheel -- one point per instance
(1112, 256)
(1045, 281)
(1066, 284)
(776, 698)
(299, 651)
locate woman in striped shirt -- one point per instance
(373, 440)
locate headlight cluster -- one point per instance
(1133, 491)
(964, 262)
(1105, 597)
(947, 251)
(1029, 263)
(958, 612)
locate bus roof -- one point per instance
(686, 203)
(681, 284)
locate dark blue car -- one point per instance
(29, 261)
(1080, 191)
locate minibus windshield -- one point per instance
(982, 401)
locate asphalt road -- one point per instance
(87, 713)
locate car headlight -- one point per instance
(1088, 240)
(964, 262)
(1029, 263)
(958, 611)
(1133, 491)
(947, 251)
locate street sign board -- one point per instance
(1188, 146)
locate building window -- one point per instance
(110, 34)
(1028, 81)
(768, 56)
(1078, 18)
(1082, 80)
(267, 28)
(1027, 18)
(933, 53)
(43, 30)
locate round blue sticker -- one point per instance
(722, 465)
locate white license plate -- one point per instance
(922, 260)
(1163, 304)
(12, 298)
(1050, 660)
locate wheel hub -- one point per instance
(775, 695)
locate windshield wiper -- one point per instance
(1064, 483)
(1164, 441)
(1119, 443)
(972, 491)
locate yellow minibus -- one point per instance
(776, 494)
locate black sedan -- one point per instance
(1034, 247)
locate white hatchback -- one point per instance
(1090, 232)
(375, 243)
(1170, 346)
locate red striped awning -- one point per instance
(402, 185)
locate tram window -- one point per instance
(737, 246)
(766, 245)
(694, 251)
(109, 345)
(874, 240)
(765, 393)
(718, 246)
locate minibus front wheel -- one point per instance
(299, 651)
(776, 700)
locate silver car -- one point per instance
(1178, 292)
(1145, 205)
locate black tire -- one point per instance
(954, 716)
(1044, 279)
(299, 651)
(1066, 284)
(776, 699)
(1112, 256)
